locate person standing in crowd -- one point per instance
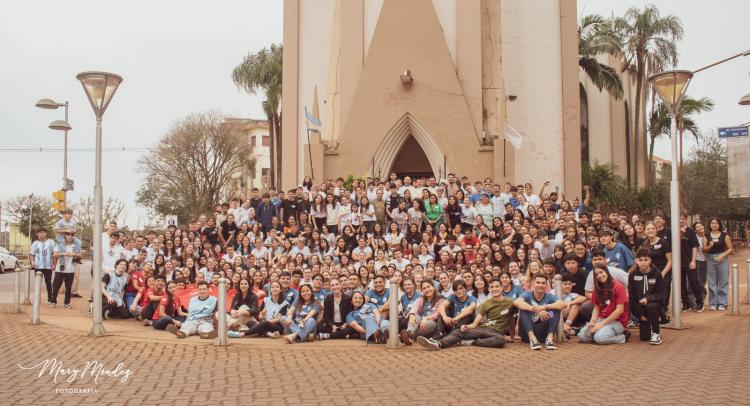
(689, 246)
(65, 254)
(40, 258)
(717, 246)
(700, 262)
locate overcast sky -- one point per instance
(176, 58)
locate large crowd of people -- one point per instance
(473, 263)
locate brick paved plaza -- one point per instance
(706, 364)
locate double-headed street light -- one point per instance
(671, 87)
(60, 125)
(99, 88)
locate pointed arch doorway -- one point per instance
(408, 149)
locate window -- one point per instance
(266, 141)
(252, 141)
(265, 172)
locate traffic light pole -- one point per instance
(65, 159)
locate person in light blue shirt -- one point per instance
(40, 257)
(67, 224)
(378, 295)
(540, 312)
(200, 312)
(366, 320)
(461, 306)
(618, 255)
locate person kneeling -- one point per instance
(200, 312)
(366, 320)
(540, 314)
(498, 311)
(647, 292)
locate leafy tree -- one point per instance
(191, 168)
(649, 44)
(705, 186)
(83, 214)
(42, 214)
(610, 191)
(660, 121)
(262, 72)
(595, 37)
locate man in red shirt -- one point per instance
(610, 316)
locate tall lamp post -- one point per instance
(60, 125)
(671, 87)
(99, 88)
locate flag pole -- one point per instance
(309, 146)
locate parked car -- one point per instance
(7, 260)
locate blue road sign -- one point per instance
(731, 132)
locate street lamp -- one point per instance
(99, 88)
(671, 87)
(60, 125)
(745, 100)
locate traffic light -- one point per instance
(59, 203)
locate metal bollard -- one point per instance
(393, 340)
(735, 310)
(747, 283)
(17, 291)
(27, 286)
(37, 302)
(560, 334)
(221, 313)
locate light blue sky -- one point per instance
(176, 58)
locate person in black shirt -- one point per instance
(660, 252)
(576, 274)
(228, 231)
(646, 293)
(209, 232)
(688, 265)
(289, 207)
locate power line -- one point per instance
(43, 149)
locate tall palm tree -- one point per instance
(262, 72)
(660, 122)
(649, 43)
(595, 37)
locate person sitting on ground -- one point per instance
(461, 306)
(170, 309)
(200, 315)
(407, 301)
(573, 302)
(336, 306)
(366, 320)
(300, 320)
(140, 301)
(647, 292)
(378, 295)
(489, 328)
(274, 306)
(610, 314)
(423, 319)
(539, 314)
(244, 307)
(154, 296)
(113, 292)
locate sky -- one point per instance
(176, 59)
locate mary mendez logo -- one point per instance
(91, 369)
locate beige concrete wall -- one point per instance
(532, 55)
(469, 56)
(290, 90)
(600, 120)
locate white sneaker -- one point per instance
(722, 308)
(655, 339)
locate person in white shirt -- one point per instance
(231, 255)
(64, 255)
(300, 248)
(111, 253)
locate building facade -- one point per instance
(256, 134)
(429, 87)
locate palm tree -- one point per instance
(262, 71)
(595, 37)
(660, 122)
(649, 43)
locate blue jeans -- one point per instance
(540, 328)
(302, 332)
(129, 297)
(371, 327)
(611, 333)
(718, 280)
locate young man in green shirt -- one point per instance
(498, 311)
